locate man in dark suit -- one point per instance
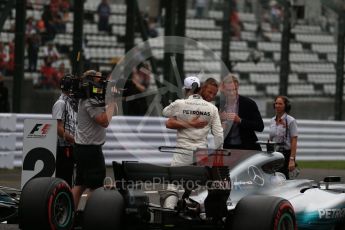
(240, 117)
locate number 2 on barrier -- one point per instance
(40, 154)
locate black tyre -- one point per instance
(104, 210)
(46, 203)
(340, 226)
(263, 212)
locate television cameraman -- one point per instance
(93, 118)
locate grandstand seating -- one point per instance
(313, 51)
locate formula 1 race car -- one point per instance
(225, 189)
(9, 201)
(238, 189)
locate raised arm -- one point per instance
(104, 118)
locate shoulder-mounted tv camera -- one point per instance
(92, 85)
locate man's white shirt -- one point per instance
(193, 138)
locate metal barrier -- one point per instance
(138, 139)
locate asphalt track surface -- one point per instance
(11, 178)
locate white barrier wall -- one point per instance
(7, 140)
(138, 139)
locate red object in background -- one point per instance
(218, 159)
(204, 157)
(221, 157)
(201, 157)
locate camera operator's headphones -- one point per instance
(286, 103)
(66, 82)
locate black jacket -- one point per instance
(251, 121)
(4, 102)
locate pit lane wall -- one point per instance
(138, 139)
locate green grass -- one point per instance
(14, 170)
(322, 164)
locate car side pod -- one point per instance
(262, 212)
(104, 209)
(46, 203)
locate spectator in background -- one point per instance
(41, 30)
(58, 17)
(54, 19)
(150, 25)
(48, 75)
(235, 21)
(65, 7)
(33, 43)
(51, 52)
(325, 19)
(283, 130)
(4, 103)
(103, 12)
(200, 6)
(86, 57)
(248, 6)
(48, 20)
(10, 63)
(265, 8)
(136, 104)
(54, 3)
(276, 16)
(260, 8)
(33, 46)
(152, 28)
(240, 117)
(3, 58)
(30, 27)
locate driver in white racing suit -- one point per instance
(189, 139)
(190, 108)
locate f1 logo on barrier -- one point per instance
(39, 130)
(39, 149)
